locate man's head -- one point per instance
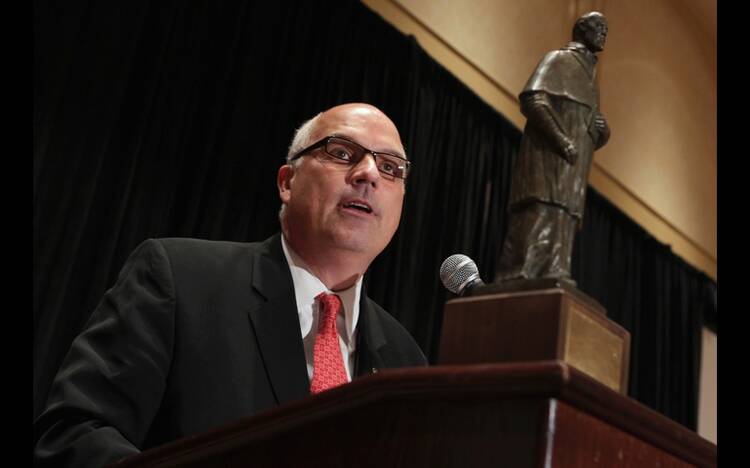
(331, 208)
(591, 31)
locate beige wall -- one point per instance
(707, 421)
(657, 79)
(658, 82)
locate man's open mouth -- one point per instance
(364, 207)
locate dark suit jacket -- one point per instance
(193, 334)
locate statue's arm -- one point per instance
(538, 110)
(603, 130)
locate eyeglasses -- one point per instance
(344, 151)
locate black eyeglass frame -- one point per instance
(362, 151)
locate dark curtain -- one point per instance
(171, 118)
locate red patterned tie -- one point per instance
(328, 364)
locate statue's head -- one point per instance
(591, 31)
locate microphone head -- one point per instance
(457, 272)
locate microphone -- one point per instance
(459, 274)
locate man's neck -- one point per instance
(337, 269)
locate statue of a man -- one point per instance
(563, 128)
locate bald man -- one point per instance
(198, 333)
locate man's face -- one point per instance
(595, 34)
(319, 193)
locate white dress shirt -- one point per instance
(306, 287)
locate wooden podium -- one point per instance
(536, 414)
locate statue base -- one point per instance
(536, 320)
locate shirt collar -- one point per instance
(307, 286)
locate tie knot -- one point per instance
(330, 305)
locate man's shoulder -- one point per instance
(196, 243)
(201, 266)
(190, 254)
(195, 246)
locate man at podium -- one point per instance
(197, 333)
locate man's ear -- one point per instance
(284, 182)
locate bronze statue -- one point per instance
(563, 128)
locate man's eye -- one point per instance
(342, 153)
(388, 167)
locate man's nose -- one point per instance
(365, 171)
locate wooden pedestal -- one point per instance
(558, 323)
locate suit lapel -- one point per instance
(370, 339)
(276, 324)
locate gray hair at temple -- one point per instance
(582, 23)
(301, 140)
(302, 137)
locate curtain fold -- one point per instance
(166, 118)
